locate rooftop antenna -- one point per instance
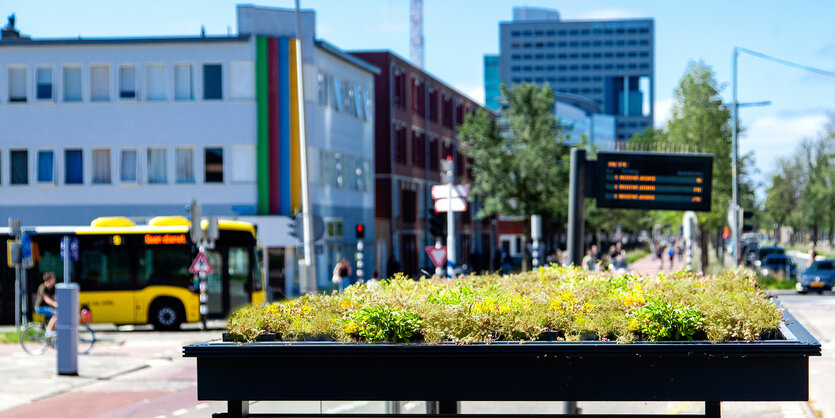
(416, 32)
(202, 31)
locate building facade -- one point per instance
(139, 127)
(416, 121)
(603, 67)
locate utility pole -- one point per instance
(452, 256)
(307, 215)
(734, 167)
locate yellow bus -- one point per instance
(138, 274)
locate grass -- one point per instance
(9, 337)
(636, 254)
(553, 302)
(772, 283)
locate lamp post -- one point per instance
(736, 106)
(735, 159)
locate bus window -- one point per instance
(215, 281)
(104, 267)
(239, 276)
(164, 266)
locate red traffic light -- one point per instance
(360, 231)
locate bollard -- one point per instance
(67, 328)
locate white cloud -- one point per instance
(773, 137)
(612, 13)
(662, 114)
(476, 92)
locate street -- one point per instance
(142, 373)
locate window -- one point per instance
(46, 167)
(212, 82)
(72, 84)
(43, 86)
(322, 88)
(17, 84)
(104, 266)
(243, 163)
(213, 165)
(183, 86)
(184, 165)
(165, 265)
(127, 82)
(19, 160)
(99, 83)
(155, 81)
(157, 170)
(73, 167)
(334, 229)
(101, 166)
(242, 80)
(127, 172)
(400, 145)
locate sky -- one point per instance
(458, 33)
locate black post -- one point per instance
(576, 198)
(713, 409)
(448, 407)
(237, 409)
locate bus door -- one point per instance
(215, 284)
(240, 279)
(106, 280)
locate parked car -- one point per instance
(764, 252)
(818, 277)
(778, 265)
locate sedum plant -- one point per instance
(554, 303)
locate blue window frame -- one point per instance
(46, 167)
(73, 167)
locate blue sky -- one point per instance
(458, 34)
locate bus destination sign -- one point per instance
(652, 180)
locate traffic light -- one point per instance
(360, 231)
(747, 222)
(436, 223)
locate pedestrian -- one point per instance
(342, 274)
(392, 266)
(812, 254)
(588, 262)
(671, 253)
(507, 263)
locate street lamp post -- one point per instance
(735, 163)
(736, 105)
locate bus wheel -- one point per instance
(166, 314)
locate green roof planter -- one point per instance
(553, 334)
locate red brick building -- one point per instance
(416, 115)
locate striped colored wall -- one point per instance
(278, 161)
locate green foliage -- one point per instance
(7, 337)
(382, 323)
(565, 303)
(663, 321)
(802, 186)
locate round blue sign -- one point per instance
(26, 246)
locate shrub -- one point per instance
(562, 302)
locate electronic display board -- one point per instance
(653, 180)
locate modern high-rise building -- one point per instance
(600, 66)
(492, 80)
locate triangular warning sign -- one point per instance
(438, 255)
(201, 264)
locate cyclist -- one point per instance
(45, 303)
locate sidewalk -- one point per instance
(649, 265)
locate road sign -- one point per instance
(456, 203)
(73, 250)
(437, 254)
(26, 245)
(442, 191)
(201, 264)
(652, 180)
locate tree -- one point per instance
(701, 122)
(520, 164)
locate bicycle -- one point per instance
(34, 340)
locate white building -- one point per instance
(139, 127)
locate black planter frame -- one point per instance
(766, 370)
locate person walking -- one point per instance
(342, 274)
